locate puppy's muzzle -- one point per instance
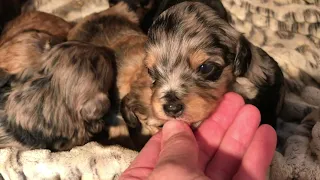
(173, 106)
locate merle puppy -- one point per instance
(194, 57)
(118, 28)
(62, 105)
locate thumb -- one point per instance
(178, 147)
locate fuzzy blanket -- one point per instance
(89, 162)
(289, 30)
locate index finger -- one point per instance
(146, 160)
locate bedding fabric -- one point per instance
(289, 31)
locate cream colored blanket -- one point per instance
(289, 30)
(89, 162)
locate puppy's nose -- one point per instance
(174, 109)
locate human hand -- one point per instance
(228, 145)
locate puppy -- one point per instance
(194, 57)
(118, 28)
(144, 9)
(62, 106)
(25, 39)
(36, 20)
(20, 56)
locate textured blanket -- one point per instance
(289, 30)
(89, 162)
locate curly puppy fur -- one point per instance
(63, 106)
(118, 28)
(26, 38)
(194, 57)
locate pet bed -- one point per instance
(289, 30)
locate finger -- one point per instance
(179, 146)
(146, 160)
(228, 157)
(259, 155)
(211, 131)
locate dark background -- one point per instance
(9, 9)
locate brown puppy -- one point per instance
(194, 57)
(20, 56)
(25, 38)
(63, 105)
(118, 28)
(36, 20)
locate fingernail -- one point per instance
(174, 127)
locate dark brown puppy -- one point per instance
(194, 57)
(118, 28)
(63, 105)
(25, 38)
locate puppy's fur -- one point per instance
(26, 38)
(194, 57)
(20, 56)
(118, 28)
(63, 105)
(156, 7)
(36, 20)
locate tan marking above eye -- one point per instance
(199, 57)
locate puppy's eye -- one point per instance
(210, 70)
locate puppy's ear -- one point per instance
(243, 57)
(127, 113)
(95, 108)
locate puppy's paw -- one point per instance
(128, 114)
(95, 108)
